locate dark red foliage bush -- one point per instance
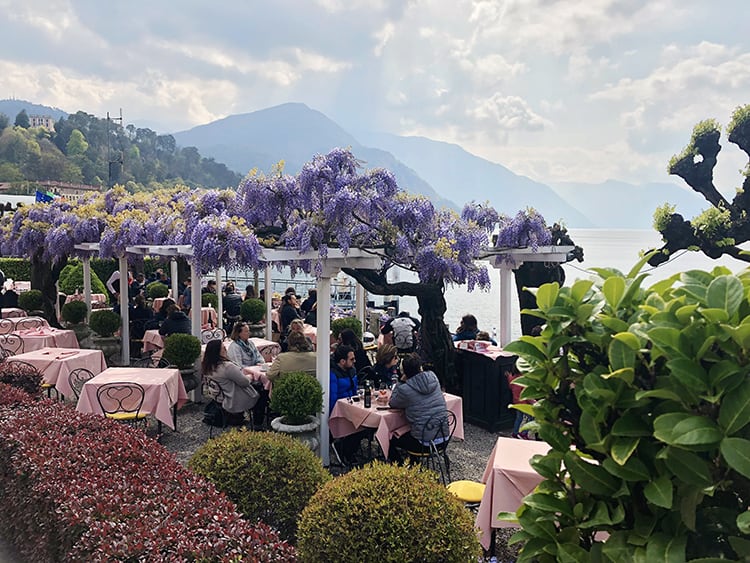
(79, 487)
(21, 375)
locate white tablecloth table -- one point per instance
(164, 391)
(347, 418)
(47, 337)
(55, 364)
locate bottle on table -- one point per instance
(368, 394)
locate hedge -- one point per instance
(79, 487)
(16, 268)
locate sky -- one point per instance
(560, 91)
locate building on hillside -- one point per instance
(45, 121)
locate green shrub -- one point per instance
(157, 289)
(339, 325)
(71, 279)
(16, 268)
(105, 322)
(386, 513)
(653, 386)
(269, 476)
(182, 350)
(296, 396)
(252, 310)
(209, 299)
(31, 300)
(74, 312)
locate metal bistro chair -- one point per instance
(123, 402)
(438, 433)
(30, 323)
(19, 367)
(213, 390)
(209, 334)
(77, 378)
(149, 362)
(6, 326)
(15, 314)
(11, 343)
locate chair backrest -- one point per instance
(11, 343)
(209, 334)
(439, 428)
(15, 314)
(149, 362)
(6, 326)
(213, 390)
(120, 397)
(29, 323)
(20, 365)
(77, 378)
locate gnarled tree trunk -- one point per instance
(44, 276)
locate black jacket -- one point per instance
(176, 322)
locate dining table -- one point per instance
(56, 364)
(267, 348)
(95, 298)
(508, 477)
(164, 391)
(209, 316)
(152, 340)
(47, 337)
(259, 373)
(349, 417)
(11, 324)
(13, 313)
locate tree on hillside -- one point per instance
(724, 226)
(76, 145)
(22, 119)
(4, 121)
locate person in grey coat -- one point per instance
(422, 399)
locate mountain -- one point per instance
(11, 108)
(459, 175)
(293, 133)
(619, 205)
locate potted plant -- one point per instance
(105, 323)
(339, 325)
(32, 302)
(156, 289)
(74, 315)
(209, 299)
(252, 312)
(298, 398)
(182, 350)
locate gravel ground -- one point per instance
(468, 458)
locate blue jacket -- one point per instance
(343, 385)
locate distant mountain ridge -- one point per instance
(12, 108)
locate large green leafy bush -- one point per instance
(71, 279)
(296, 396)
(31, 300)
(104, 322)
(156, 290)
(644, 397)
(182, 349)
(339, 325)
(74, 312)
(269, 476)
(386, 513)
(252, 310)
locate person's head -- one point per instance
(140, 277)
(297, 342)
(297, 325)
(289, 299)
(289, 290)
(188, 282)
(229, 288)
(387, 355)
(249, 291)
(173, 308)
(348, 337)
(469, 322)
(411, 365)
(312, 293)
(262, 294)
(211, 285)
(343, 357)
(404, 314)
(166, 304)
(139, 301)
(240, 331)
(482, 335)
(213, 356)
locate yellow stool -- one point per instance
(468, 492)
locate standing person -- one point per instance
(186, 296)
(421, 398)
(249, 292)
(231, 303)
(309, 307)
(239, 394)
(243, 352)
(404, 329)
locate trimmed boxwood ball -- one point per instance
(252, 310)
(297, 395)
(339, 325)
(209, 299)
(400, 513)
(157, 289)
(74, 312)
(182, 350)
(30, 300)
(269, 476)
(104, 322)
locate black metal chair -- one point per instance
(149, 362)
(137, 330)
(209, 334)
(30, 323)
(19, 367)
(15, 314)
(12, 343)
(77, 378)
(6, 326)
(123, 402)
(213, 390)
(437, 435)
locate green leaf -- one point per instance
(613, 289)
(684, 314)
(527, 351)
(554, 437)
(688, 467)
(666, 549)
(579, 289)
(726, 293)
(626, 374)
(548, 466)
(722, 371)
(572, 553)
(659, 492)
(548, 503)
(588, 426)
(734, 413)
(691, 498)
(525, 408)
(715, 315)
(667, 394)
(741, 547)
(743, 522)
(546, 295)
(698, 277)
(736, 452)
(696, 431)
(633, 470)
(691, 374)
(631, 424)
(620, 354)
(613, 323)
(665, 338)
(629, 339)
(623, 448)
(590, 477)
(665, 423)
(740, 334)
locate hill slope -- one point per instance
(11, 108)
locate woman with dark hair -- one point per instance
(386, 364)
(467, 330)
(348, 338)
(177, 322)
(239, 394)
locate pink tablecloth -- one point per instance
(163, 387)
(258, 373)
(13, 312)
(11, 325)
(509, 478)
(95, 298)
(158, 302)
(482, 347)
(47, 337)
(57, 363)
(152, 340)
(347, 418)
(267, 348)
(208, 313)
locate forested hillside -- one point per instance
(88, 150)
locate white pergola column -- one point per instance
(269, 302)
(195, 301)
(124, 310)
(219, 301)
(360, 310)
(173, 275)
(86, 284)
(506, 294)
(323, 365)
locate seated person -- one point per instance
(298, 357)
(386, 365)
(243, 352)
(161, 315)
(421, 398)
(298, 326)
(404, 329)
(239, 395)
(343, 382)
(140, 314)
(177, 322)
(467, 330)
(348, 337)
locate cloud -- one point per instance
(507, 113)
